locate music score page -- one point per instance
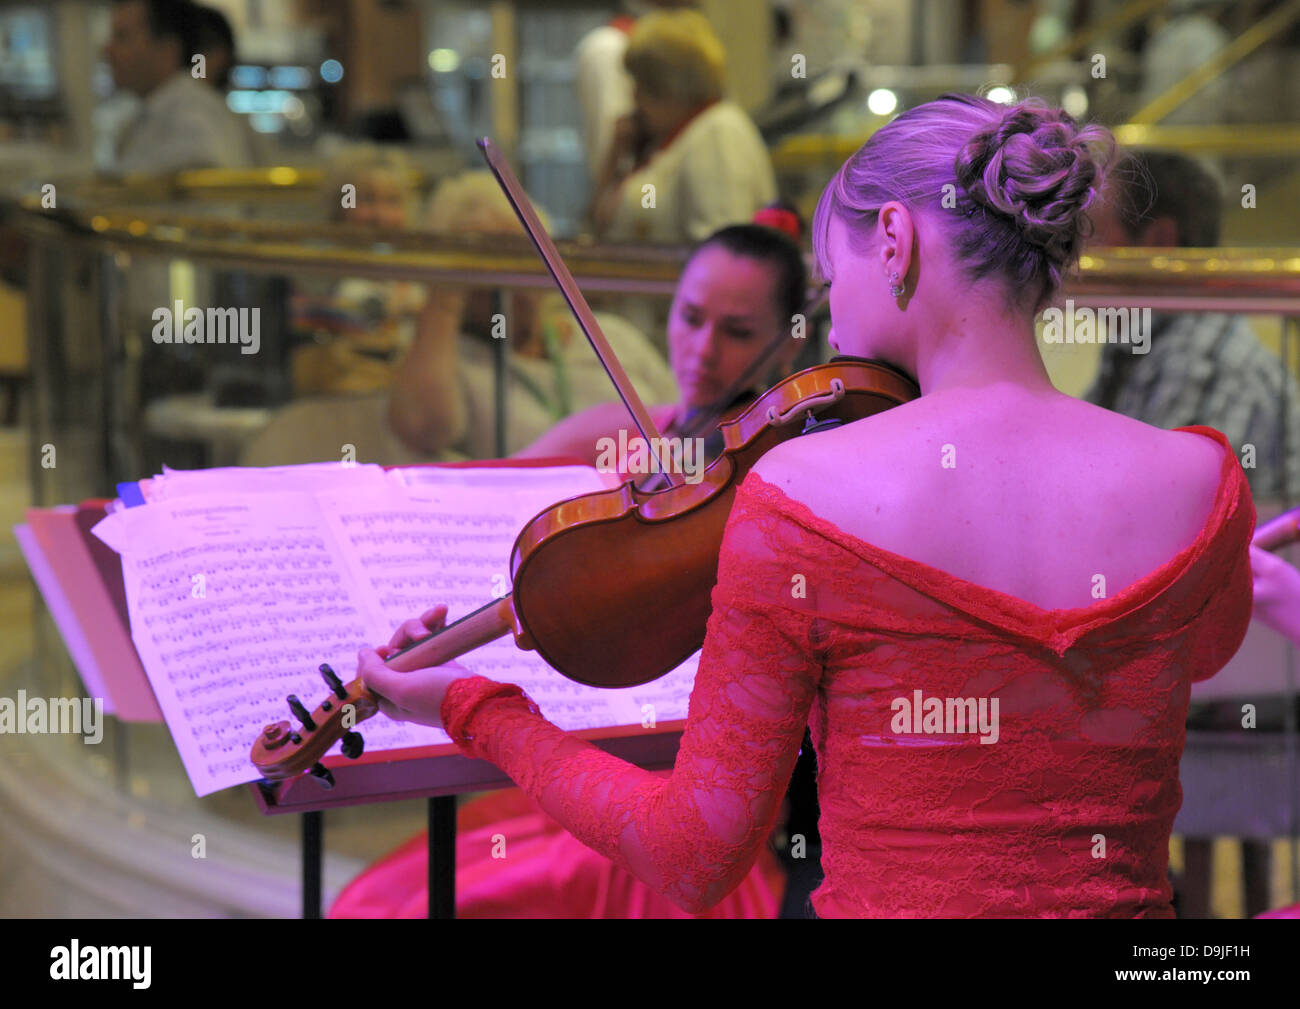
(237, 597)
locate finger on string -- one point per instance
(435, 617)
(410, 631)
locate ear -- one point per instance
(896, 232)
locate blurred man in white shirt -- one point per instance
(182, 122)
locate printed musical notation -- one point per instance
(451, 543)
(235, 600)
(231, 618)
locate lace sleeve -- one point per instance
(694, 835)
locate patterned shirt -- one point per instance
(1209, 368)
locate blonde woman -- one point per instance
(687, 161)
(361, 326)
(1052, 575)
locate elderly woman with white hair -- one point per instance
(443, 397)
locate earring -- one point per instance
(896, 289)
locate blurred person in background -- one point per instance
(360, 327)
(349, 334)
(702, 154)
(737, 295)
(444, 389)
(1202, 367)
(215, 40)
(1205, 368)
(182, 122)
(604, 87)
(1186, 36)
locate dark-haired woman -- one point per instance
(740, 291)
(991, 601)
(738, 294)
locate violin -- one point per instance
(659, 547)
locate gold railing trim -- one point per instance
(1250, 278)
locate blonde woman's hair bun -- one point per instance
(1041, 169)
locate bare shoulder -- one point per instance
(780, 465)
(908, 454)
(807, 463)
(1192, 462)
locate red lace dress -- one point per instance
(1067, 813)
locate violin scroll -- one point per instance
(282, 751)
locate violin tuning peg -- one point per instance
(322, 774)
(353, 745)
(333, 682)
(301, 713)
(276, 735)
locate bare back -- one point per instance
(1030, 496)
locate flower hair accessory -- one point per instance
(780, 219)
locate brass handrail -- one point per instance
(1245, 140)
(347, 250)
(1225, 279)
(1254, 280)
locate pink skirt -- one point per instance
(545, 873)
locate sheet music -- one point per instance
(450, 542)
(235, 599)
(559, 482)
(305, 478)
(234, 602)
(663, 700)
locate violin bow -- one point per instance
(1278, 532)
(578, 305)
